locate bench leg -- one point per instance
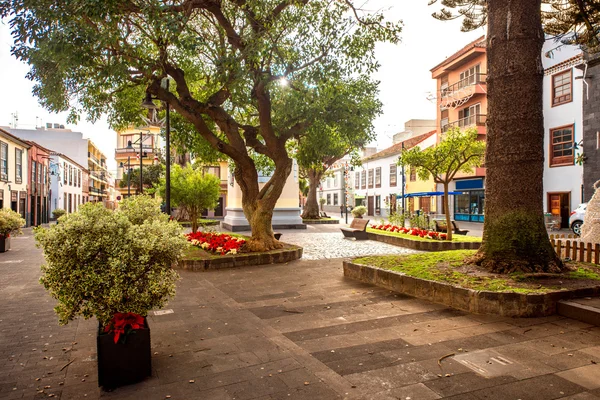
(347, 234)
(361, 235)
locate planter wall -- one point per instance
(320, 221)
(290, 253)
(122, 364)
(473, 301)
(441, 245)
(4, 244)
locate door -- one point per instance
(370, 205)
(219, 208)
(425, 204)
(559, 205)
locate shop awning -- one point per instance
(427, 194)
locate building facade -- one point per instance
(462, 103)
(591, 124)
(137, 146)
(38, 187)
(14, 173)
(221, 171)
(67, 183)
(563, 129)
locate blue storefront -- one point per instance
(469, 205)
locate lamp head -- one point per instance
(148, 103)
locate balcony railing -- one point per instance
(475, 119)
(95, 191)
(471, 80)
(135, 149)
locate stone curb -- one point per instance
(424, 246)
(473, 301)
(290, 253)
(319, 222)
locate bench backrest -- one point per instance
(455, 226)
(441, 225)
(359, 223)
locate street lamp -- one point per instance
(128, 170)
(149, 104)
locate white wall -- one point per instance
(562, 178)
(60, 189)
(72, 144)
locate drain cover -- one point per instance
(488, 363)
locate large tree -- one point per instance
(238, 68)
(457, 151)
(347, 128)
(515, 237)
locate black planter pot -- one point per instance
(122, 364)
(4, 244)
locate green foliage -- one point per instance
(142, 208)
(193, 191)
(359, 211)
(58, 212)
(458, 151)
(322, 201)
(99, 262)
(573, 21)
(151, 175)
(421, 221)
(11, 222)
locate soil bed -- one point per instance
(455, 237)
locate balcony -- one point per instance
(96, 192)
(135, 149)
(472, 120)
(469, 86)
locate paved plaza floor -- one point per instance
(294, 331)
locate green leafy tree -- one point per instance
(457, 151)
(346, 128)
(193, 191)
(243, 72)
(112, 263)
(514, 236)
(151, 175)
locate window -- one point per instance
(45, 175)
(18, 166)
(65, 176)
(65, 199)
(468, 116)
(39, 173)
(444, 120)
(469, 77)
(4, 161)
(393, 175)
(561, 146)
(335, 199)
(70, 175)
(357, 180)
(413, 174)
(363, 179)
(371, 178)
(328, 199)
(33, 171)
(378, 177)
(79, 178)
(562, 88)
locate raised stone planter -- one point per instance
(320, 221)
(441, 245)
(289, 253)
(473, 301)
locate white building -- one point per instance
(378, 182)
(66, 183)
(563, 128)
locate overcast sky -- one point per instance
(404, 75)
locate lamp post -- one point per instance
(149, 104)
(128, 172)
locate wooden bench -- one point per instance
(324, 215)
(440, 226)
(357, 229)
(277, 235)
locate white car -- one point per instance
(576, 218)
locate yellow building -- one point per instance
(129, 151)
(99, 176)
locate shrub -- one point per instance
(58, 212)
(10, 222)
(142, 208)
(359, 211)
(99, 263)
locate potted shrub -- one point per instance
(11, 222)
(58, 212)
(116, 268)
(359, 211)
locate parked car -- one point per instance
(576, 218)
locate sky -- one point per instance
(404, 75)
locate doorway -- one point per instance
(370, 204)
(560, 204)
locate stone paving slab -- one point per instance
(229, 333)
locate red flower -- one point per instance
(122, 323)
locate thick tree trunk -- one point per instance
(258, 204)
(311, 209)
(194, 219)
(515, 237)
(449, 227)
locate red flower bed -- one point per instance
(424, 233)
(219, 243)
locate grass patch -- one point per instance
(449, 267)
(455, 238)
(201, 222)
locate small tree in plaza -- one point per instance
(458, 151)
(101, 262)
(193, 191)
(11, 222)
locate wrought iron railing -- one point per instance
(475, 119)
